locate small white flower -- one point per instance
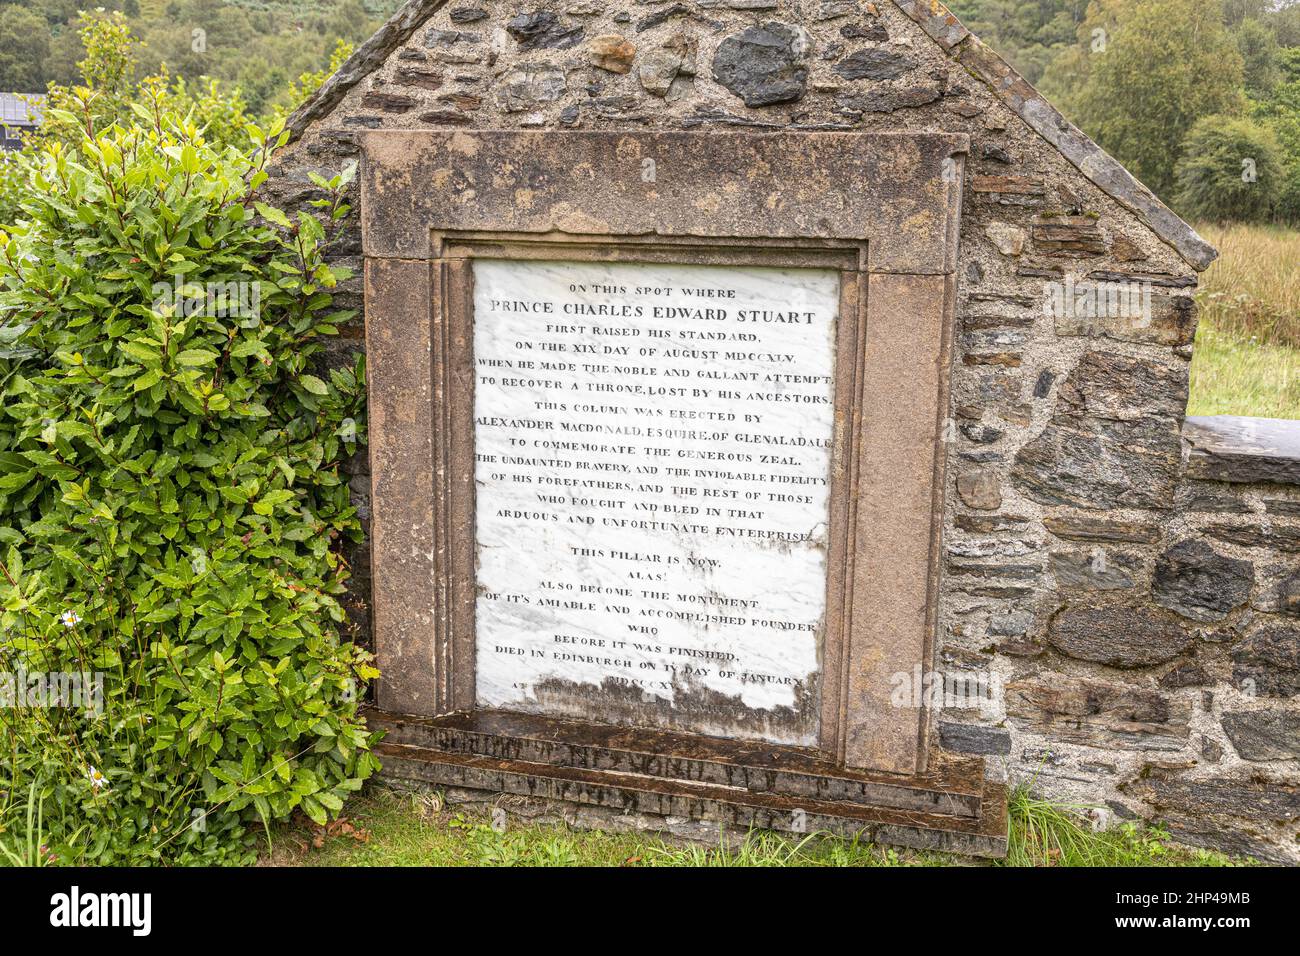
(97, 779)
(70, 618)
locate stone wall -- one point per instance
(1135, 625)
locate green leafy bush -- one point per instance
(172, 512)
(109, 93)
(1231, 170)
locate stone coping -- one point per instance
(1241, 449)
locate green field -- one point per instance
(1247, 354)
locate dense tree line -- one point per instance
(1199, 98)
(260, 46)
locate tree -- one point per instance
(1259, 54)
(1231, 170)
(1164, 65)
(24, 48)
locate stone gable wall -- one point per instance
(1128, 612)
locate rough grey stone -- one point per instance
(1221, 813)
(1011, 623)
(1080, 526)
(526, 89)
(1098, 713)
(467, 14)
(543, 30)
(1288, 595)
(1185, 675)
(981, 433)
(980, 488)
(890, 100)
(764, 65)
(1270, 659)
(875, 63)
(448, 38)
(869, 29)
(1113, 440)
(1271, 537)
(973, 739)
(671, 63)
(1125, 636)
(1272, 734)
(1097, 569)
(994, 152)
(1194, 580)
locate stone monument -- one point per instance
(776, 420)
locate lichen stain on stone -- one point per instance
(920, 222)
(524, 198)
(710, 204)
(628, 148)
(463, 144)
(566, 218)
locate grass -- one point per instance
(387, 828)
(1247, 353)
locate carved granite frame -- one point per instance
(883, 209)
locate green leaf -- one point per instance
(314, 385)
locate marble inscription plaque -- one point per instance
(652, 474)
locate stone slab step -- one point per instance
(734, 807)
(953, 786)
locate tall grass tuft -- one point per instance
(1253, 290)
(1247, 354)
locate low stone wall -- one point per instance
(1151, 670)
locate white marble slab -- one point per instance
(653, 462)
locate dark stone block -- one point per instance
(875, 63)
(1285, 507)
(1113, 441)
(1272, 734)
(1288, 595)
(1270, 659)
(388, 102)
(994, 152)
(1125, 636)
(982, 434)
(1098, 713)
(890, 100)
(445, 118)
(1096, 570)
(869, 29)
(1185, 675)
(427, 79)
(449, 38)
(763, 65)
(1274, 538)
(972, 739)
(1043, 387)
(1194, 580)
(1206, 812)
(988, 524)
(542, 30)
(468, 14)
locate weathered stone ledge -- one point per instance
(1239, 449)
